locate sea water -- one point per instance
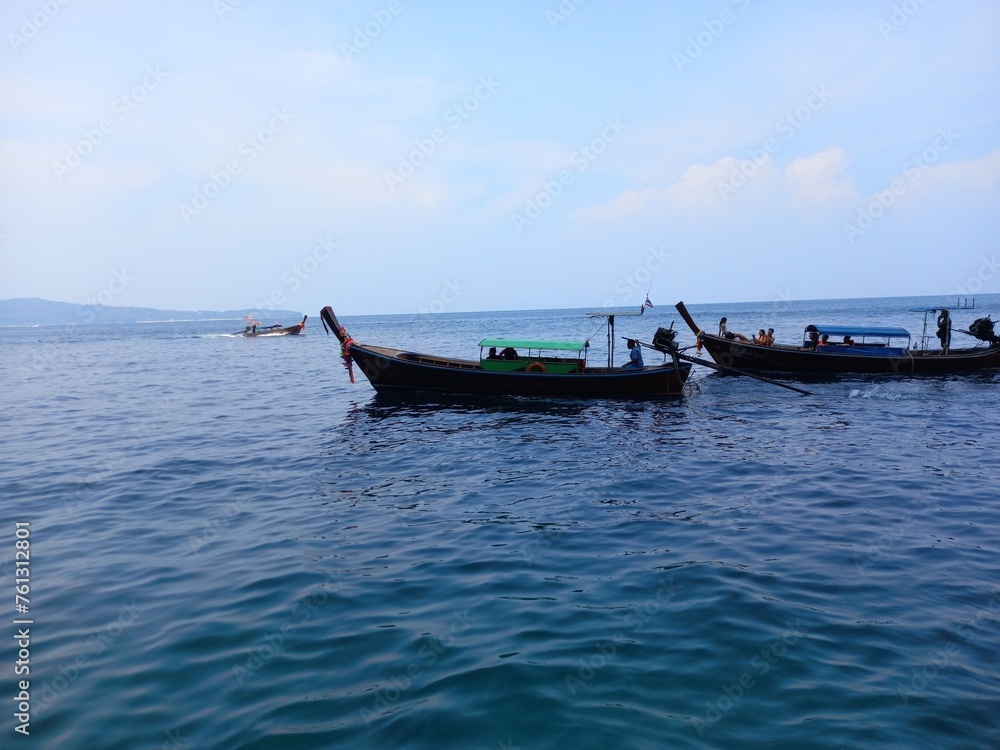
(232, 546)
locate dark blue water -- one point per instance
(231, 546)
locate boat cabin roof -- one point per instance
(856, 331)
(628, 313)
(572, 346)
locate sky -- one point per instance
(408, 157)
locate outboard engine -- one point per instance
(665, 339)
(982, 329)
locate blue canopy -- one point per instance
(856, 331)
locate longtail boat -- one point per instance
(835, 349)
(254, 329)
(514, 367)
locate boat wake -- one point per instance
(876, 391)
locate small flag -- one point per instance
(648, 303)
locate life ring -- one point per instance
(535, 367)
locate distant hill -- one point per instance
(35, 311)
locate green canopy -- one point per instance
(573, 346)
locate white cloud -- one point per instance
(312, 68)
(707, 187)
(627, 203)
(683, 169)
(731, 184)
(34, 100)
(703, 189)
(820, 178)
(981, 174)
(37, 169)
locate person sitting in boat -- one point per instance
(634, 356)
(493, 353)
(824, 341)
(848, 341)
(813, 340)
(509, 353)
(726, 334)
(769, 337)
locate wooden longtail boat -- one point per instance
(879, 350)
(253, 330)
(394, 370)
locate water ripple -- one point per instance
(233, 564)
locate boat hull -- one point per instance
(397, 371)
(294, 330)
(390, 370)
(796, 361)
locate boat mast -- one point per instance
(611, 341)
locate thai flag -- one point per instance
(648, 303)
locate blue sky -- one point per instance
(392, 157)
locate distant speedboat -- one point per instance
(254, 328)
(832, 349)
(519, 367)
